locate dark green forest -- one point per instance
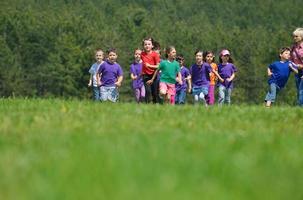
(47, 46)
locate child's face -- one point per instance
(172, 54)
(209, 58)
(181, 62)
(137, 55)
(99, 56)
(199, 58)
(297, 38)
(148, 45)
(285, 55)
(225, 58)
(112, 57)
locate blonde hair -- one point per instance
(298, 32)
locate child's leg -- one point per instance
(211, 95)
(221, 98)
(271, 94)
(301, 93)
(142, 93)
(96, 93)
(182, 97)
(137, 94)
(163, 90)
(228, 95)
(113, 94)
(171, 92)
(177, 97)
(103, 93)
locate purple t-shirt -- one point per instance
(184, 73)
(200, 74)
(225, 71)
(136, 69)
(110, 73)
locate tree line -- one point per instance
(47, 46)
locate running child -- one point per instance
(180, 97)
(93, 72)
(135, 74)
(278, 73)
(109, 77)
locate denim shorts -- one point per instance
(109, 93)
(199, 90)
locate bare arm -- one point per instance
(188, 79)
(269, 73)
(231, 77)
(98, 76)
(119, 81)
(149, 82)
(218, 75)
(295, 70)
(90, 80)
(152, 66)
(133, 76)
(179, 79)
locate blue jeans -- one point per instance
(224, 95)
(109, 93)
(272, 93)
(299, 85)
(180, 97)
(96, 93)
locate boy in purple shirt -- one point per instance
(181, 89)
(226, 70)
(200, 78)
(135, 74)
(111, 76)
(278, 73)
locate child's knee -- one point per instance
(162, 92)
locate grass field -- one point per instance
(55, 149)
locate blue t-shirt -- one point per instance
(280, 73)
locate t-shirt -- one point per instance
(136, 69)
(200, 74)
(184, 73)
(152, 58)
(110, 73)
(226, 71)
(212, 76)
(169, 71)
(280, 73)
(93, 71)
(297, 57)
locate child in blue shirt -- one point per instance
(278, 73)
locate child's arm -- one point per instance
(188, 79)
(133, 76)
(293, 68)
(152, 66)
(231, 77)
(179, 79)
(98, 78)
(149, 82)
(269, 73)
(90, 80)
(119, 81)
(218, 75)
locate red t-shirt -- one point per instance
(152, 58)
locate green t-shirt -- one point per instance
(169, 71)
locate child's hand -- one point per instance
(180, 82)
(118, 84)
(228, 79)
(147, 65)
(149, 82)
(89, 84)
(221, 80)
(189, 90)
(135, 77)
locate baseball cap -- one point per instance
(224, 52)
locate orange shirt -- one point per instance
(213, 78)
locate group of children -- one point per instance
(164, 80)
(168, 80)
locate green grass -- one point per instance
(54, 149)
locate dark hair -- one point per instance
(156, 46)
(198, 51)
(111, 50)
(283, 49)
(180, 57)
(206, 53)
(168, 50)
(148, 38)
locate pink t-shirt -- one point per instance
(297, 53)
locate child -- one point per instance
(297, 58)
(226, 70)
(135, 74)
(93, 71)
(209, 58)
(111, 77)
(150, 62)
(200, 78)
(181, 89)
(278, 73)
(169, 70)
